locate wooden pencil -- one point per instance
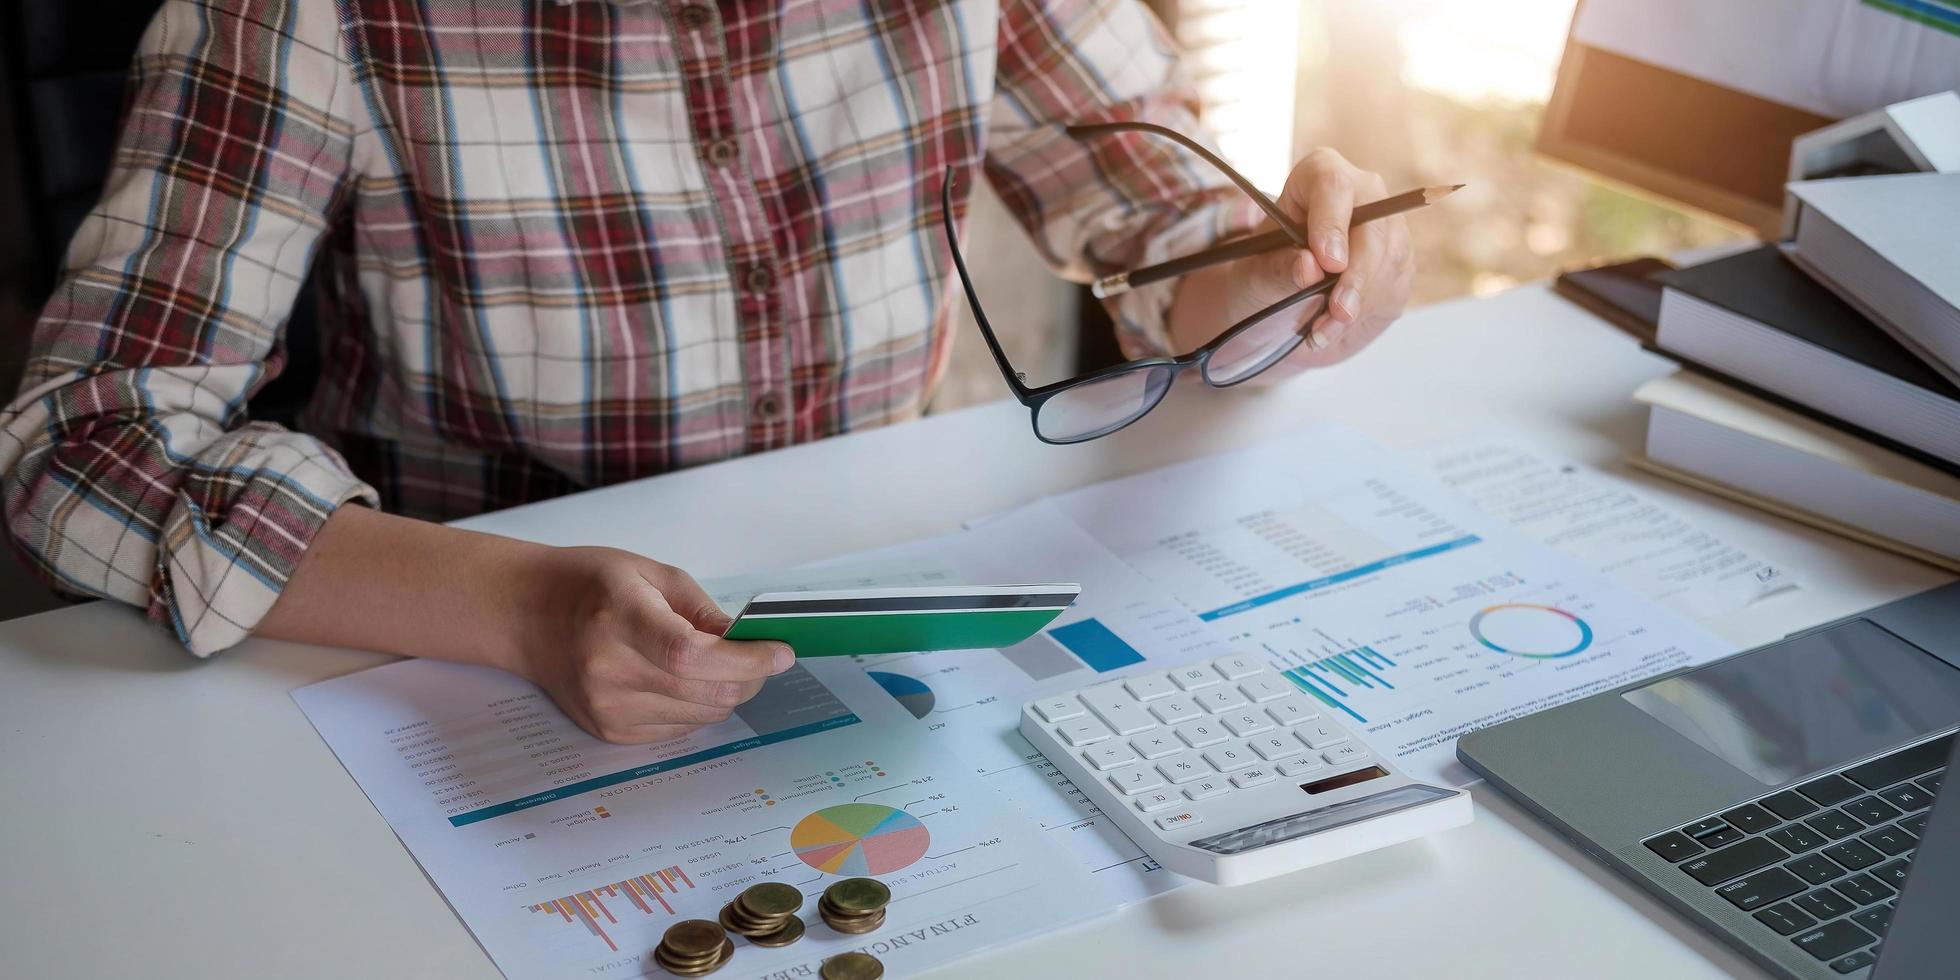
(1249, 245)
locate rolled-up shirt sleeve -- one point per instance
(1112, 203)
(128, 465)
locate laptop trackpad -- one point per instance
(1809, 703)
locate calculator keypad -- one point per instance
(1202, 732)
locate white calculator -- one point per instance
(1224, 771)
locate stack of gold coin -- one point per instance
(852, 966)
(855, 905)
(766, 914)
(694, 948)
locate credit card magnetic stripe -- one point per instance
(904, 604)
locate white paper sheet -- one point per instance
(566, 856)
(1608, 527)
(1403, 608)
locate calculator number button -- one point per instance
(1237, 665)
(1216, 699)
(1260, 690)
(1149, 687)
(1321, 735)
(1194, 677)
(1271, 747)
(1246, 723)
(1199, 734)
(1175, 711)
(1290, 712)
(1226, 758)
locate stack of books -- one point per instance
(1822, 376)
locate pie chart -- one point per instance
(910, 692)
(859, 839)
(1524, 629)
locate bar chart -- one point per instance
(644, 891)
(1330, 679)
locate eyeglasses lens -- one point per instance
(1264, 343)
(1101, 407)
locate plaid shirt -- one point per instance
(565, 243)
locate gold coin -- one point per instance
(858, 895)
(669, 959)
(791, 931)
(857, 926)
(689, 969)
(729, 922)
(852, 966)
(693, 938)
(771, 900)
(830, 908)
(702, 968)
(684, 959)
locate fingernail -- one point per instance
(785, 659)
(1336, 248)
(1329, 332)
(1348, 299)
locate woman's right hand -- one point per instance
(632, 649)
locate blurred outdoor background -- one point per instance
(1422, 91)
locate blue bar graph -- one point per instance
(1096, 645)
(1331, 679)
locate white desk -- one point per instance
(163, 817)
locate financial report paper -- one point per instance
(566, 856)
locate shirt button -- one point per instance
(721, 153)
(768, 406)
(760, 279)
(694, 16)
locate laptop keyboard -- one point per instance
(1819, 863)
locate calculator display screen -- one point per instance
(1326, 818)
(1809, 703)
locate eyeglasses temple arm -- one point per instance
(1286, 224)
(972, 298)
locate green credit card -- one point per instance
(867, 621)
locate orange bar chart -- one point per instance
(645, 891)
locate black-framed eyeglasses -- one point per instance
(1103, 401)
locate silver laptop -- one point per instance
(1782, 798)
